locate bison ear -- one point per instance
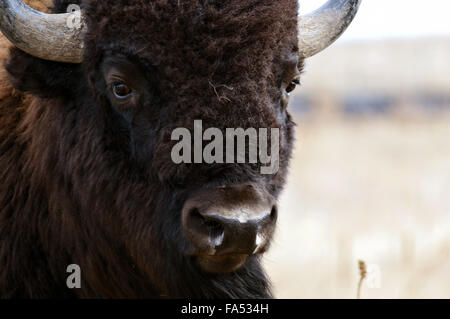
(41, 77)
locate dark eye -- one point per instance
(121, 90)
(291, 87)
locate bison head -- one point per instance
(101, 122)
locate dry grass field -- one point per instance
(375, 189)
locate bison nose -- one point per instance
(224, 231)
(226, 225)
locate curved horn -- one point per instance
(325, 25)
(56, 37)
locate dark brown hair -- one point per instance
(84, 183)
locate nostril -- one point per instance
(215, 229)
(274, 213)
(205, 226)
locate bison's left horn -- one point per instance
(322, 27)
(56, 37)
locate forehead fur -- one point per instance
(200, 33)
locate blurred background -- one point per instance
(370, 177)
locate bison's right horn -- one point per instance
(56, 37)
(322, 27)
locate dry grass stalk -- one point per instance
(362, 276)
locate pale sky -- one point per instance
(380, 19)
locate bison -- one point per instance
(89, 101)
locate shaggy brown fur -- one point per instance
(86, 182)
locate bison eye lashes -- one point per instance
(121, 90)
